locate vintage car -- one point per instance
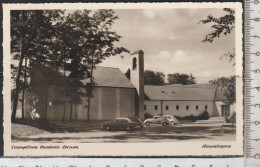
(134, 119)
(157, 120)
(122, 124)
(171, 119)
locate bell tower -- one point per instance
(137, 79)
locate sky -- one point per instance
(172, 42)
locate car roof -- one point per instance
(123, 118)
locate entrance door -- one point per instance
(225, 110)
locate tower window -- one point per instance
(134, 63)
(197, 107)
(167, 107)
(144, 107)
(206, 107)
(177, 107)
(187, 107)
(155, 107)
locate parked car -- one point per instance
(134, 119)
(157, 120)
(171, 119)
(121, 124)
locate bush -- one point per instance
(204, 116)
(147, 115)
(191, 118)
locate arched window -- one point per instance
(134, 63)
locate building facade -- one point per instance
(116, 96)
(186, 100)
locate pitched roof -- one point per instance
(219, 90)
(110, 77)
(103, 76)
(220, 94)
(178, 93)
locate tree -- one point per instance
(153, 78)
(222, 25)
(228, 85)
(128, 73)
(31, 35)
(86, 40)
(74, 43)
(183, 79)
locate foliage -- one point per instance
(147, 115)
(191, 118)
(230, 55)
(183, 79)
(222, 25)
(203, 116)
(74, 43)
(31, 36)
(153, 78)
(228, 85)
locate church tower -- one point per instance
(137, 79)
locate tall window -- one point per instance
(197, 107)
(144, 107)
(206, 107)
(187, 107)
(177, 107)
(167, 107)
(134, 63)
(155, 107)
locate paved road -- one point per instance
(184, 132)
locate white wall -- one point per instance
(182, 107)
(217, 108)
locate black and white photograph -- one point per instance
(123, 79)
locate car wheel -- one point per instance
(164, 123)
(139, 127)
(173, 123)
(107, 128)
(147, 123)
(128, 128)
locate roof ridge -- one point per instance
(178, 87)
(108, 67)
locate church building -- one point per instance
(114, 95)
(117, 96)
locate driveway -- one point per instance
(156, 133)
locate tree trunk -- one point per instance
(88, 109)
(64, 100)
(19, 73)
(71, 104)
(91, 81)
(18, 85)
(23, 103)
(75, 109)
(64, 110)
(46, 103)
(25, 81)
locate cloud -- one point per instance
(171, 40)
(150, 14)
(204, 67)
(164, 54)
